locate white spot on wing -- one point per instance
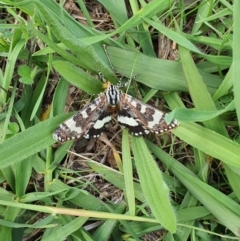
(175, 122)
(127, 120)
(84, 114)
(100, 123)
(55, 136)
(157, 116)
(71, 124)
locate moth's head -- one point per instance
(106, 85)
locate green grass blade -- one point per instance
(85, 12)
(128, 172)
(221, 206)
(149, 10)
(8, 115)
(76, 212)
(210, 142)
(236, 56)
(105, 230)
(201, 97)
(22, 181)
(37, 97)
(9, 69)
(193, 115)
(41, 224)
(88, 56)
(78, 77)
(60, 97)
(117, 9)
(173, 35)
(203, 11)
(157, 73)
(60, 232)
(10, 215)
(116, 178)
(226, 85)
(78, 197)
(154, 188)
(29, 142)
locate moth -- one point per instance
(138, 117)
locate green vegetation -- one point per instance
(178, 186)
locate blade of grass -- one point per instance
(149, 10)
(117, 9)
(78, 77)
(210, 142)
(221, 206)
(198, 91)
(21, 181)
(188, 202)
(105, 230)
(173, 35)
(10, 215)
(29, 142)
(85, 13)
(37, 97)
(9, 112)
(154, 188)
(60, 97)
(193, 115)
(9, 69)
(225, 86)
(61, 232)
(44, 223)
(156, 73)
(88, 56)
(38, 102)
(236, 56)
(59, 155)
(78, 197)
(203, 101)
(116, 178)
(217, 44)
(204, 10)
(76, 212)
(128, 172)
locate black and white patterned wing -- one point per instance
(88, 122)
(141, 118)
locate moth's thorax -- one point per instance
(113, 108)
(113, 95)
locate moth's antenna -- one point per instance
(106, 52)
(119, 84)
